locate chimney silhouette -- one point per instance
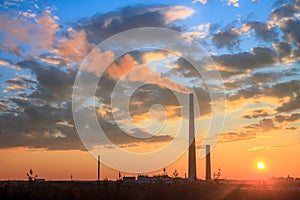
(208, 165)
(98, 168)
(192, 149)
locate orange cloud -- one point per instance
(128, 69)
(27, 14)
(233, 105)
(170, 112)
(4, 63)
(96, 61)
(39, 35)
(76, 48)
(234, 3)
(155, 56)
(145, 74)
(126, 63)
(47, 27)
(53, 61)
(174, 13)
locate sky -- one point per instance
(254, 46)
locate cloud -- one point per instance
(27, 14)
(261, 30)
(201, 31)
(39, 34)
(200, 1)
(151, 56)
(234, 3)
(39, 126)
(41, 117)
(102, 26)
(258, 112)
(97, 60)
(228, 38)
(125, 64)
(286, 10)
(145, 74)
(274, 123)
(291, 29)
(284, 49)
(236, 136)
(283, 95)
(291, 105)
(145, 97)
(16, 84)
(53, 83)
(258, 58)
(268, 147)
(45, 111)
(4, 62)
(35, 127)
(263, 125)
(241, 80)
(283, 20)
(174, 13)
(128, 69)
(74, 48)
(53, 60)
(295, 117)
(149, 95)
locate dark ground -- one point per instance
(184, 190)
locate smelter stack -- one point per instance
(192, 149)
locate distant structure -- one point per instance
(129, 179)
(192, 149)
(40, 180)
(98, 168)
(208, 164)
(147, 179)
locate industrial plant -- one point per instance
(192, 169)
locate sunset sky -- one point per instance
(254, 44)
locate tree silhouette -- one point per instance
(31, 178)
(217, 175)
(175, 174)
(165, 173)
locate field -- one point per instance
(165, 191)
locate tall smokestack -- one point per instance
(192, 149)
(208, 165)
(98, 168)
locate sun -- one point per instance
(260, 165)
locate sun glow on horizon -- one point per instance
(260, 165)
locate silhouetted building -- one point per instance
(162, 178)
(192, 149)
(154, 179)
(129, 179)
(208, 164)
(144, 179)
